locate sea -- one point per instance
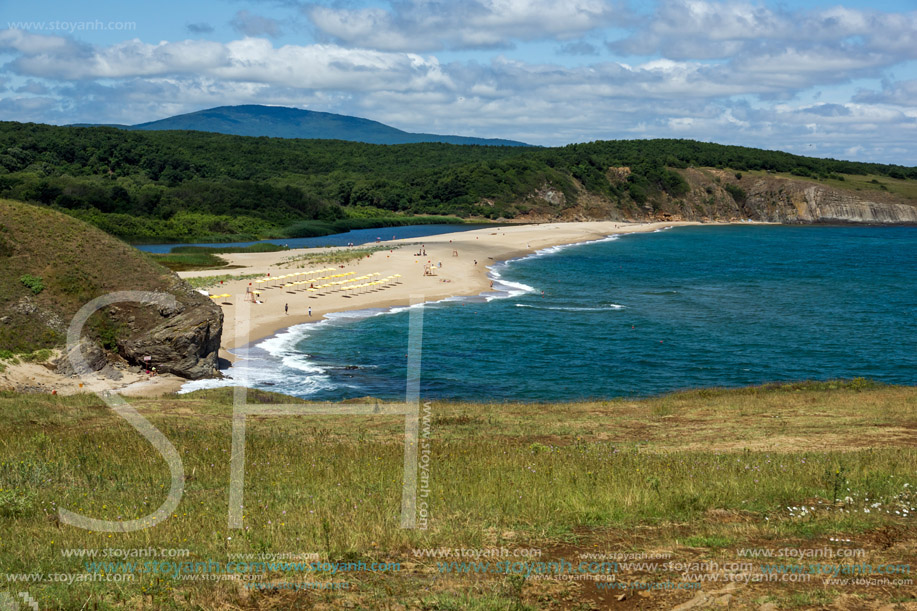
(630, 315)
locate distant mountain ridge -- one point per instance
(283, 122)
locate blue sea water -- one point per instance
(634, 315)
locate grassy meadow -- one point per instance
(692, 477)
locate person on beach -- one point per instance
(286, 308)
(310, 310)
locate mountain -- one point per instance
(281, 122)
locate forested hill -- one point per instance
(188, 185)
(281, 122)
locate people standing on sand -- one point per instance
(310, 310)
(286, 308)
(475, 261)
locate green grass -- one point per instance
(334, 257)
(187, 262)
(332, 485)
(854, 182)
(57, 264)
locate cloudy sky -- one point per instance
(806, 76)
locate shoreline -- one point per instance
(464, 275)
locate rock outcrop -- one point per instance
(816, 204)
(721, 195)
(75, 263)
(184, 340)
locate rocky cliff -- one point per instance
(51, 265)
(721, 195)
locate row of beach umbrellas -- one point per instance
(352, 284)
(366, 282)
(278, 279)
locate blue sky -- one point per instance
(811, 77)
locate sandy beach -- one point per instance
(41, 378)
(458, 260)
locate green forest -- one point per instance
(188, 186)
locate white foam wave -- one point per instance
(611, 306)
(551, 250)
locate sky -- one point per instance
(810, 77)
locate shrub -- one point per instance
(39, 356)
(33, 283)
(106, 330)
(14, 503)
(737, 193)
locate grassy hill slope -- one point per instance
(52, 264)
(698, 477)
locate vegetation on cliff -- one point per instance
(161, 186)
(52, 265)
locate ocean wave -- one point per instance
(290, 374)
(553, 250)
(605, 308)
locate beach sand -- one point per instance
(39, 378)
(464, 256)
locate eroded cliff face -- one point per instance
(802, 203)
(720, 195)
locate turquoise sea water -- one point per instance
(634, 315)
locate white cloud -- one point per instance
(25, 42)
(426, 25)
(250, 59)
(724, 70)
